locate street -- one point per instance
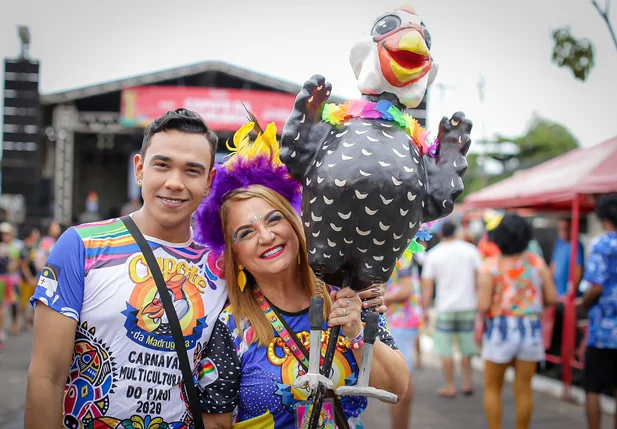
(428, 410)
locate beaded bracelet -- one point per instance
(357, 345)
(357, 341)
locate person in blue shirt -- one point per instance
(560, 261)
(601, 300)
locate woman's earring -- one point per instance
(139, 182)
(299, 258)
(241, 278)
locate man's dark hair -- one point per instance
(182, 120)
(606, 208)
(512, 235)
(448, 229)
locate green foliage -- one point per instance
(542, 141)
(575, 54)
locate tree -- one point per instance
(578, 54)
(543, 140)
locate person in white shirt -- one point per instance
(451, 267)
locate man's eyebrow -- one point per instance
(168, 159)
(196, 165)
(160, 158)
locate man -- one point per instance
(560, 268)
(560, 260)
(601, 300)
(103, 353)
(452, 265)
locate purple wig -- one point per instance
(240, 174)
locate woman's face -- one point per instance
(263, 239)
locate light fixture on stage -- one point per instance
(24, 36)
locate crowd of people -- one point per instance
(23, 253)
(489, 300)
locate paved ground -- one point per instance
(428, 411)
(462, 412)
(14, 361)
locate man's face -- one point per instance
(174, 176)
(563, 230)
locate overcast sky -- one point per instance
(509, 42)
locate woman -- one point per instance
(250, 214)
(403, 298)
(513, 288)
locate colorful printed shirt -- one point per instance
(258, 379)
(125, 372)
(518, 285)
(601, 270)
(408, 313)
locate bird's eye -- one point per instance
(385, 25)
(427, 36)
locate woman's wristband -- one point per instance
(357, 341)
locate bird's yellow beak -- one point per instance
(414, 43)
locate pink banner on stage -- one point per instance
(221, 108)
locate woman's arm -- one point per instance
(217, 421)
(485, 291)
(402, 293)
(549, 290)
(389, 370)
(220, 396)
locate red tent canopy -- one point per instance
(554, 183)
(568, 182)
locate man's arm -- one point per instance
(592, 295)
(428, 288)
(54, 338)
(58, 299)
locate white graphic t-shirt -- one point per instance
(125, 371)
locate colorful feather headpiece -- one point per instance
(255, 162)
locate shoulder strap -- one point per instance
(174, 323)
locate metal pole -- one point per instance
(569, 317)
(64, 122)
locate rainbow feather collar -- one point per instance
(336, 114)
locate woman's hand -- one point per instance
(374, 297)
(346, 311)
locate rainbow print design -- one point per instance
(109, 243)
(207, 369)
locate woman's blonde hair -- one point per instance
(244, 306)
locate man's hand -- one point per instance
(374, 297)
